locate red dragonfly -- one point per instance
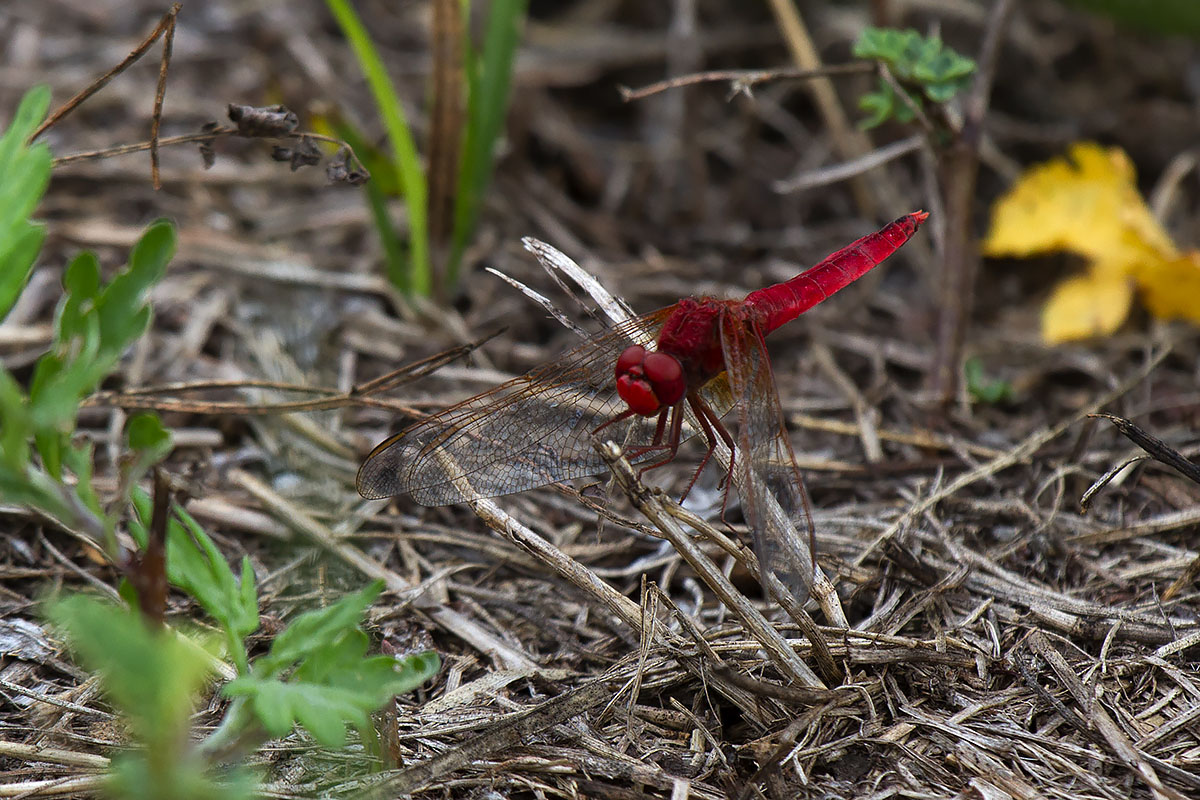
(710, 356)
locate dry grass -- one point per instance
(1000, 644)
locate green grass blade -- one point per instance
(377, 200)
(404, 149)
(489, 79)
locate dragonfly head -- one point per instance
(648, 381)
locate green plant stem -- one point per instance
(238, 734)
(489, 80)
(404, 149)
(237, 651)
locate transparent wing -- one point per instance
(533, 430)
(768, 479)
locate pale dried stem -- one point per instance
(655, 509)
(1025, 449)
(505, 653)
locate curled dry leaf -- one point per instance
(304, 154)
(263, 121)
(340, 171)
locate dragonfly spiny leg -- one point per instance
(655, 444)
(711, 425)
(623, 415)
(659, 429)
(672, 445)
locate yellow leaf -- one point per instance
(1171, 287)
(1087, 203)
(1090, 305)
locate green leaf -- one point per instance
(82, 278)
(58, 387)
(25, 183)
(879, 108)
(884, 104)
(78, 459)
(317, 629)
(941, 92)
(377, 678)
(16, 263)
(149, 443)
(324, 711)
(120, 305)
(26, 171)
(922, 66)
(146, 432)
(16, 427)
(95, 326)
(350, 688)
(49, 444)
(34, 490)
(981, 388)
(882, 44)
(81, 285)
(153, 676)
(152, 253)
(30, 113)
(196, 566)
(232, 602)
(244, 618)
(334, 684)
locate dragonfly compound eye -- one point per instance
(631, 359)
(649, 382)
(665, 374)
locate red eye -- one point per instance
(631, 357)
(665, 374)
(649, 382)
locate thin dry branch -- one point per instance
(166, 26)
(960, 256)
(743, 81)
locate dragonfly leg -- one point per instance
(712, 427)
(656, 442)
(672, 445)
(659, 429)
(623, 415)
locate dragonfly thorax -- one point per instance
(649, 381)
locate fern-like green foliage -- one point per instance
(26, 172)
(153, 676)
(927, 70)
(983, 389)
(196, 566)
(317, 673)
(331, 681)
(95, 323)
